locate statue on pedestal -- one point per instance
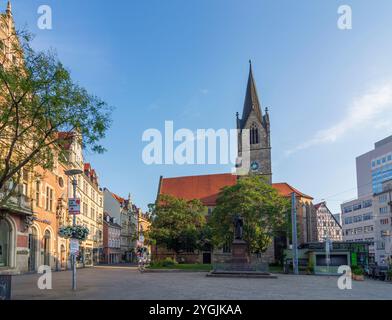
(238, 227)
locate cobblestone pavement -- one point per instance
(127, 283)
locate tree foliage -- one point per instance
(261, 207)
(178, 224)
(39, 99)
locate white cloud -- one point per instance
(370, 108)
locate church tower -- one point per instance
(255, 128)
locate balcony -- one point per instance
(19, 204)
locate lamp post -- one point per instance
(294, 233)
(72, 174)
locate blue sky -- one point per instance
(328, 90)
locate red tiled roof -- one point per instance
(118, 198)
(318, 205)
(205, 188)
(286, 190)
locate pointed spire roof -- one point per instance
(9, 8)
(252, 102)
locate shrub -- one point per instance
(310, 267)
(358, 271)
(165, 263)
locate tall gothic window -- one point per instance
(254, 134)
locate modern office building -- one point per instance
(374, 167)
(368, 217)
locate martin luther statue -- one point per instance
(238, 227)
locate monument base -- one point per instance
(240, 265)
(239, 253)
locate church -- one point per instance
(254, 144)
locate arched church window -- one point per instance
(254, 134)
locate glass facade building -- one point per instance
(381, 171)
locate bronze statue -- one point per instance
(238, 227)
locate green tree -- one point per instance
(178, 224)
(261, 207)
(39, 99)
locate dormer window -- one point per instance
(254, 134)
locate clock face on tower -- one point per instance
(254, 166)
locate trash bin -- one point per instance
(5, 287)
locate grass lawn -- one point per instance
(185, 266)
(275, 269)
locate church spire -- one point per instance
(9, 8)
(252, 102)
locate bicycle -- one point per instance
(142, 264)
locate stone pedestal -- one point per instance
(239, 252)
(240, 265)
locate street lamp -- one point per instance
(72, 174)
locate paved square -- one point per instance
(125, 283)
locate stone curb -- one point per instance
(173, 270)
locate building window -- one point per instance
(226, 248)
(367, 203)
(254, 134)
(383, 198)
(37, 192)
(367, 216)
(49, 199)
(384, 221)
(5, 242)
(61, 182)
(357, 206)
(348, 209)
(368, 229)
(348, 220)
(384, 210)
(47, 248)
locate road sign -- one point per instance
(74, 246)
(74, 206)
